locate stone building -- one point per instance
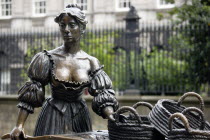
(40, 13)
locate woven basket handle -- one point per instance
(182, 118)
(127, 109)
(189, 109)
(150, 106)
(192, 94)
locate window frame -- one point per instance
(164, 6)
(5, 75)
(1, 10)
(121, 9)
(34, 9)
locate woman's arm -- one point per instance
(18, 131)
(22, 116)
(32, 93)
(104, 101)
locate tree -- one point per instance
(195, 13)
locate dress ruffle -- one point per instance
(102, 100)
(26, 106)
(39, 69)
(101, 89)
(99, 81)
(70, 84)
(31, 95)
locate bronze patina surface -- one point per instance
(68, 70)
(95, 135)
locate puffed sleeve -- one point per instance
(32, 94)
(101, 89)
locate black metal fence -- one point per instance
(153, 59)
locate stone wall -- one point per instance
(99, 12)
(9, 111)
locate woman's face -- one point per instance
(69, 29)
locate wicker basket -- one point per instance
(129, 130)
(187, 133)
(200, 120)
(145, 120)
(164, 108)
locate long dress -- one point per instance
(65, 111)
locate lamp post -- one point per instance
(132, 44)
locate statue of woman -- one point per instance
(68, 70)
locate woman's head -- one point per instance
(74, 11)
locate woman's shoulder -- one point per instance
(39, 67)
(56, 50)
(92, 58)
(45, 54)
(40, 57)
(94, 62)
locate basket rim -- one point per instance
(130, 124)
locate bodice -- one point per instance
(69, 69)
(63, 88)
(65, 91)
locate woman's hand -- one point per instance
(108, 112)
(17, 133)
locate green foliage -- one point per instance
(160, 16)
(194, 49)
(182, 45)
(195, 15)
(163, 70)
(170, 1)
(194, 12)
(101, 46)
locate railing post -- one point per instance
(132, 45)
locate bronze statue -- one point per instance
(68, 70)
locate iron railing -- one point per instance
(154, 59)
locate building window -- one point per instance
(123, 5)
(6, 8)
(82, 3)
(5, 81)
(39, 7)
(164, 4)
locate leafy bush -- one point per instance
(163, 71)
(101, 46)
(195, 15)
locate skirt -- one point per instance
(70, 118)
